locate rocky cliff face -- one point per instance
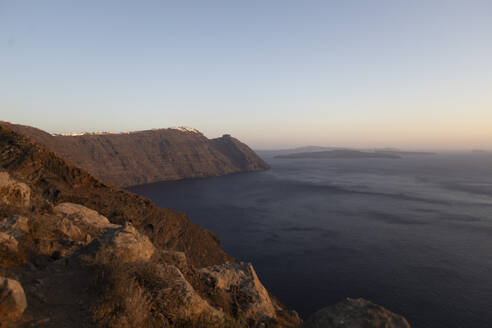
(53, 180)
(148, 156)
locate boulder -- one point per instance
(65, 229)
(8, 244)
(180, 297)
(17, 226)
(83, 215)
(355, 313)
(13, 192)
(124, 243)
(50, 234)
(9, 251)
(236, 284)
(12, 300)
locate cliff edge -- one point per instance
(126, 159)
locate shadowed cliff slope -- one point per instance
(126, 159)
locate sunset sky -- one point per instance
(274, 73)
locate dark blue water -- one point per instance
(414, 235)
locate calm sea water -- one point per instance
(414, 235)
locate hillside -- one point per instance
(80, 253)
(133, 158)
(54, 180)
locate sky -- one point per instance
(273, 73)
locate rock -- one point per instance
(8, 244)
(84, 215)
(239, 284)
(62, 233)
(12, 300)
(176, 258)
(124, 243)
(187, 303)
(9, 250)
(52, 234)
(67, 230)
(13, 192)
(355, 313)
(17, 226)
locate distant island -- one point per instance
(405, 153)
(338, 153)
(349, 153)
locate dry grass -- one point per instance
(141, 295)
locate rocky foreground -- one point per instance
(75, 252)
(125, 159)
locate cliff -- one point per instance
(126, 159)
(54, 180)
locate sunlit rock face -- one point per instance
(13, 192)
(124, 243)
(12, 301)
(84, 216)
(239, 282)
(132, 158)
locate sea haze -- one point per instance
(412, 234)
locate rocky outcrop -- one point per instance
(8, 247)
(16, 225)
(239, 286)
(13, 229)
(12, 301)
(180, 296)
(355, 313)
(141, 283)
(124, 243)
(84, 216)
(13, 192)
(126, 159)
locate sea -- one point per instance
(412, 234)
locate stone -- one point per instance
(124, 243)
(13, 192)
(12, 300)
(188, 303)
(81, 214)
(8, 244)
(355, 313)
(67, 230)
(17, 226)
(239, 282)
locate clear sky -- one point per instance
(274, 73)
